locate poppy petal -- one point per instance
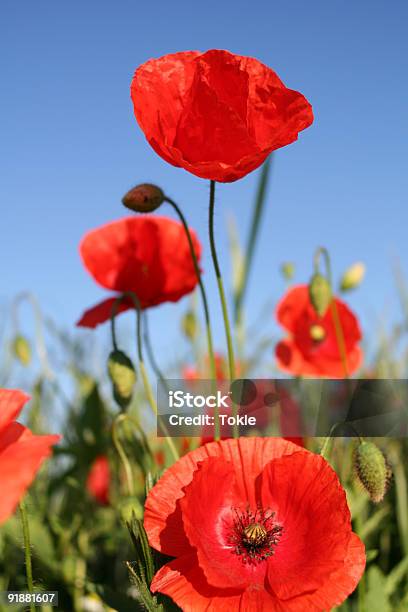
(184, 581)
(313, 512)
(206, 525)
(19, 463)
(102, 312)
(11, 404)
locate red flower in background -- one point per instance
(149, 256)
(216, 114)
(98, 480)
(254, 524)
(312, 347)
(21, 452)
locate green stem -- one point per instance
(327, 444)
(146, 383)
(27, 551)
(340, 339)
(221, 291)
(211, 356)
(122, 454)
(253, 233)
(150, 353)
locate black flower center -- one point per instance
(254, 535)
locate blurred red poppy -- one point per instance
(221, 369)
(21, 452)
(254, 524)
(98, 480)
(147, 255)
(312, 348)
(216, 114)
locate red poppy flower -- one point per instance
(21, 452)
(216, 114)
(254, 524)
(312, 348)
(149, 256)
(98, 480)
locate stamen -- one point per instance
(254, 535)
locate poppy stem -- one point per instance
(150, 352)
(221, 291)
(341, 343)
(27, 551)
(122, 454)
(249, 253)
(143, 372)
(211, 356)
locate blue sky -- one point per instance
(70, 146)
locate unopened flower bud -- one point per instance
(189, 325)
(123, 376)
(22, 350)
(372, 470)
(320, 293)
(288, 270)
(143, 198)
(352, 277)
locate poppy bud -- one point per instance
(123, 376)
(22, 350)
(288, 270)
(143, 198)
(189, 325)
(352, 277)
(320, 293)
(372, 470)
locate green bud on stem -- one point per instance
(320, 293)
(123, 376)
(372, 470)
(22, 350)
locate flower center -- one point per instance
(317, 333)
(254, 535)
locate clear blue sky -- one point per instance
(70, 146)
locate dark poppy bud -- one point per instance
(123, 376)
(22, 350)
(320, 293)
(189, 325)
(372, 470)
(143, 198)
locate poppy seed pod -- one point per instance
(22, 350)
(143, 198)
(372, 470)
(123, 376)
(352, 277)
(320, 293)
